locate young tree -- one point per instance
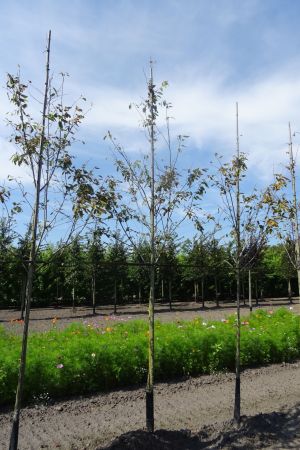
(95, 255)
(138, 272)
(245, 214)
(155, 190)
(116, 256)
(195, 265)
(285, 211)
(56, 183)
(7, 259)
(294, 209)
(8, 211)
(217, 265)
(74, 266)
(167, 268)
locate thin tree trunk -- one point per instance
(170, 295)
(94, 292)
(122, 291)
(250, 290)
(202, 292)
(115, 296)
(140, 294)
(216, 289)
(14, 436)
(290, 291)
(23, 295)
(195, 291)
(298, 277)
(243, 290)
(237, 396)
(73, 299)
(256, 292)
(295, 210)
(57, 290)
(261, 293)
(162, 290)
(150, 377)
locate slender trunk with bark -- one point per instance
(256, 292)
(202, 292)
(250, 290)
(73, 300)
(57, 291)
(162, 290)
(94, 292)
(237, 396)
(216, 291)
(115, 296)
(243, 290)
(150, 377)
(290, 291)
(261, 293)
(14, 436)
(170, 295)
(295, 210)
(23, 295)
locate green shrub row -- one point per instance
(90, 358)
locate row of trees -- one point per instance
(94, 273)
(149, 198)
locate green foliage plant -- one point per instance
(100, 356)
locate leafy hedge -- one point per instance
(91, 358)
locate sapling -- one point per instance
(61, 194)
(155, 190)
(250, 223)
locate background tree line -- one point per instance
(94, 271)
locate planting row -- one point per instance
(87, 358)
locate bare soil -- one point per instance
(190, 414)
(41, 319)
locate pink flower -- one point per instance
(59, 366)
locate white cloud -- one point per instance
(194, 47)
(205, 110)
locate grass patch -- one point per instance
(90, 358)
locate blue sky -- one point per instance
(213, 53)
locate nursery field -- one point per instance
(104, 358)
(42, 318)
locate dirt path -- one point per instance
(94, 421)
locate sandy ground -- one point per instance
(41, 319)
(202, 405)
(190, 414)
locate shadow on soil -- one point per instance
(278, 430)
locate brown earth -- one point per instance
(202, 405)
(190, 414)
(42, 318)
